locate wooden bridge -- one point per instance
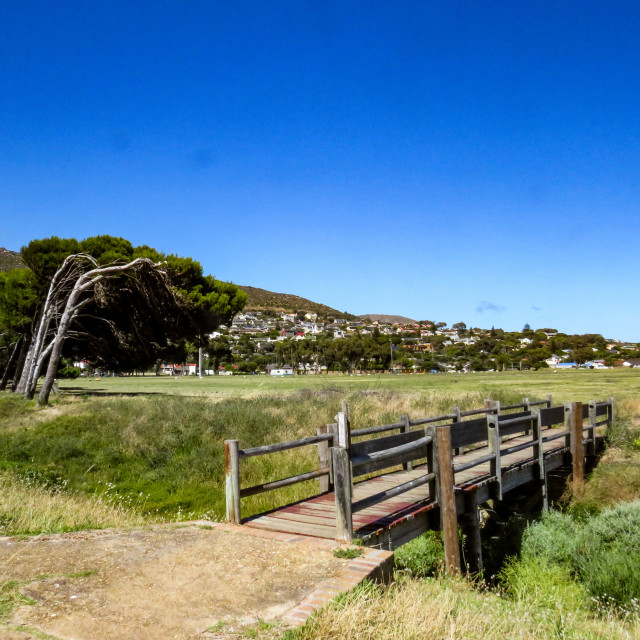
(385, 490)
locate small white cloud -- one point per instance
(489, 306)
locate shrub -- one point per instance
(423, 556)
(602, 552)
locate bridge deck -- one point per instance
(316, 516)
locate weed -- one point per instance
(349, 553)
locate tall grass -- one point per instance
(26, 509)
(163, 456)
(437, 609)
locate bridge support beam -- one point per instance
(577, 447)
(473, 543)
(447, 500)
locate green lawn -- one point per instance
(564, 385)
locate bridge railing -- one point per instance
(233, 454)
(431, 444)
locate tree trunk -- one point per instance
(11, 365)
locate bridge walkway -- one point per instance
(316, 516)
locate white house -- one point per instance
(284, 371)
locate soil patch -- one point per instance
(162, 582)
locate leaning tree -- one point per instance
(116, 304)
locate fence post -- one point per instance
(324, 459)
(538, 452)
(568, 421)
(456, 418)
(432, 462)
(493, 404)
(406, 427)
(593, 418)
(577, 448)
(344, 431)
(549, 401)
(527, 407)
(493, 437)
(612, 403)
(232, 480)
(447, 501)
(342, 483)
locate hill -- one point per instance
(380, 317)
(263, 300)
(10, 260)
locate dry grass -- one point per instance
(425, 610)
(27, 509)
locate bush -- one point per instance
(602, 552)
(423, 556)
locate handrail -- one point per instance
(339, 459)
(446, 416)
(379, 429)
(285, 482)
(283, 446)
(378, 456)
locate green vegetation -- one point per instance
(348, 553)
(151, 456)
(423, 556)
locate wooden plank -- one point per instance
(552, 415)
(381, 444)
(387, 494)
(390, 458)
(288, 526)
(284, 482)
(468, 432)
(520, 427)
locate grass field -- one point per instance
(564, 385)
(126, 451)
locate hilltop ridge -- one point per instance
(263, 300)
(10, 260)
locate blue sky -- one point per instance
(455, 161)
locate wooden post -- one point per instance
(593, 418)
(447, 501)
(610, 416)
(406, 428)
(538, 452)
(493, 404)
(493, 437)
(432, 462)
(232, 480)
(568, 421)
(344, 433)
(527, 407)
(549, 401)
(473, 546)
(324, 459)
(456, 418)
(577, 448)
(342, 483)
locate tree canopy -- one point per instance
(130, 305)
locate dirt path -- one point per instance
(156, 583)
